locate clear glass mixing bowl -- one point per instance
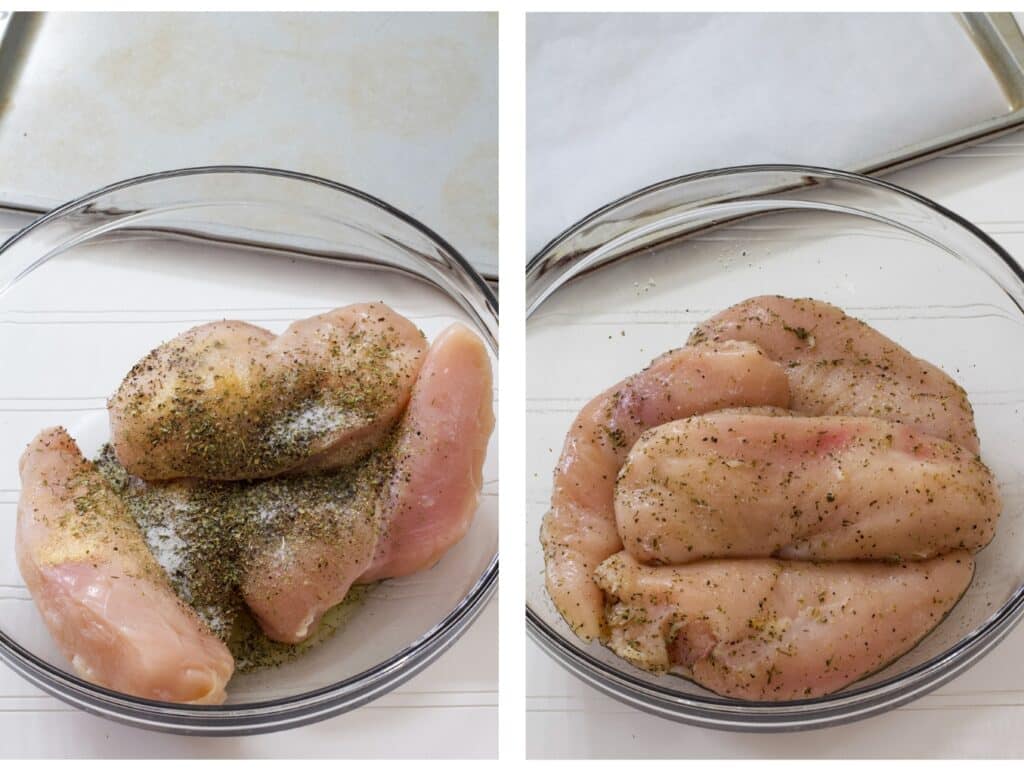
(630, 281)
(95, 284)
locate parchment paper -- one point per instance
(618, 101)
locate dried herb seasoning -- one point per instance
(205, 533)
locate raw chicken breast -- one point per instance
(101, 594)
(401, 510)
(435, 488)
(771, 630)
(316, 536)
(838, 365)
(829, 488)
(229, 400)
(579, 530)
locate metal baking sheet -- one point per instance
(403, 106)
(863, 92)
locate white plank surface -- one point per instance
(976, 715)
(449, 710)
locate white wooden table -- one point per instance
(450, 709)
(976, 715)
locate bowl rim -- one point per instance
(287, 711)
(725, 171)
(732, 714)
(264, 171)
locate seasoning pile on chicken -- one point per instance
(286, 468)
(776, 510)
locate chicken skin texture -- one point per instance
(826, 488)
(776, 630)
(407, 505)
(838, 365)
(579, 531)
(229, 400)
(103, 597)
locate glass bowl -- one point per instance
(90, 287)
(632, 279)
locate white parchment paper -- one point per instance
(618, 101)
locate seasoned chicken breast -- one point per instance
(289, 547)
(579, 531)
(313, 538)
(771, 630)
(230, 400)
(102, 595)
(838, 365)
(434, 489)
(400, 511)
(827, 488)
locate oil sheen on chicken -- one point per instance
(434, 490)
(827, 488)
(838, 365)
(775, 630)
(408, 504)
(579, 530)
(229, 400)
(103, 597)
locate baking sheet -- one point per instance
(617, 101)
(403, 106)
